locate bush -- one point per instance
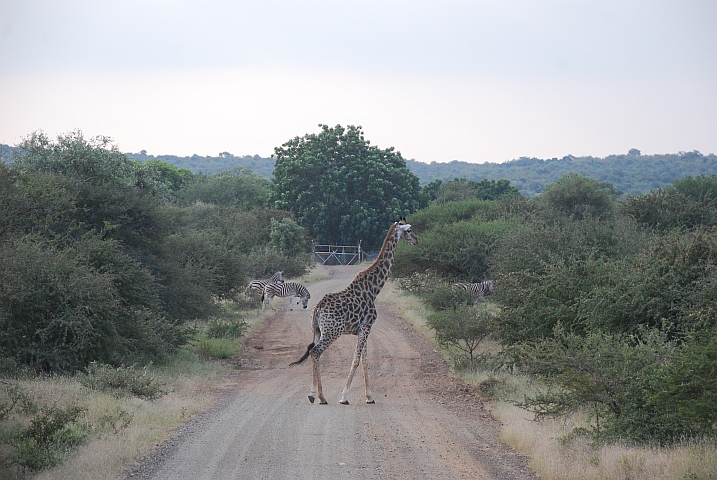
(122, 381)
(51, 434)
(219, 348)
(58, 314)
(672, 283)
(579, 196)
(288, 237)
(217, 328)
(547, 269)
(443, 296)
(13, 396)
(459, 250)
(685, 400)
(641, 388)
(461, 330)
(665, 210)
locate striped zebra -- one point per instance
(259, 285)
(290, 290)
(479, 290)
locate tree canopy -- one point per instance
(342, 189)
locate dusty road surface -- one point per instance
(424, 425)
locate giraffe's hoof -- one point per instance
(371, 402)
(344, 403)
(324, 403)
(311, 399)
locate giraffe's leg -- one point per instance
(315, 375)
(321, 345)
(360, 347)
(316, 390)
(364, 361)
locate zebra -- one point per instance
(479, 290)
(259, 285)
(290, 290)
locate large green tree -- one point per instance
(341, 188)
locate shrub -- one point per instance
(288, 237)
(579, 196)
(13, 396)
(58, 314)
(461, 330)
(219, 348)
(665, 210)
(443, 296)
(617, 378)
(685, 400)
(50, 435)
(122, 381)
(217, 328)
(458, 250)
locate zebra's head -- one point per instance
(405, 232)
(304, 298)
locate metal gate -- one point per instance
(339, 254)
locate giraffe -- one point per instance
(352, 311)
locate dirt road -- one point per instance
(424, 425)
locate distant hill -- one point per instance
(629, 173)
(225, 161)
(5, 153)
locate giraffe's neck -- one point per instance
(374, 277)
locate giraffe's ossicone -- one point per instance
(352, 311)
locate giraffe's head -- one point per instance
(405, 232)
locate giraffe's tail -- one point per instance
(306, 355)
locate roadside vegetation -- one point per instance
(122, 296)
(602, 327)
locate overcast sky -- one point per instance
(438, 80)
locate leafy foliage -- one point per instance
(288, 237)
(579, 196)
(612, 305)
(239, 187)
(457, 239)
(665, 210)
(106, 258)
(612, 376)
(462, 328)
(342, 189)
(50, 435)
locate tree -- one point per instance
(287, 237)
(342, 189)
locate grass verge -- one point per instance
(114, 427)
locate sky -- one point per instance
(477, 81)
